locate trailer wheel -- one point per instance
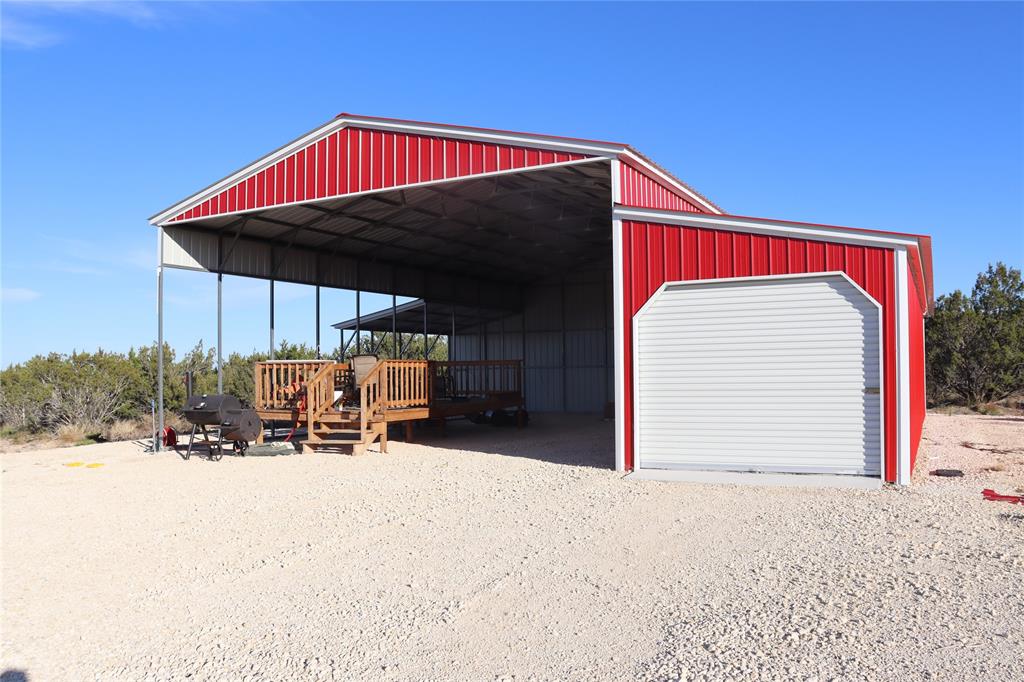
(240, 446)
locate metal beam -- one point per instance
(160, 337)
(318, 321)
(271, 319)
(220, 333)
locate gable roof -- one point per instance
(351, 154)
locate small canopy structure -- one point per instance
(418, 317)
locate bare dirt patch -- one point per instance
(502, 552)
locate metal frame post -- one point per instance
(451, 339)
(426, 351)
(271, 319)
(159, 336)
(394, 327)
(359, 328)
(317, 321)
(220, 332)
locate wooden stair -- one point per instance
(340, 430)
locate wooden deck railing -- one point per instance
(273, 377)
(391, 384)
(472, 378)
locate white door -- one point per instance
(776, 374)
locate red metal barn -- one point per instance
(727, 344)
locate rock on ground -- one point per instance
(507, 554)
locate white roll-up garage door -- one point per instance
(775, 374)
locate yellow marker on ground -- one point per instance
(94, 465)
(73, 464)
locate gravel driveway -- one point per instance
(505, 553)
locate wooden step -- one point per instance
(336, 432)
(335, 417)
(355, 447)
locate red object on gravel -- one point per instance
(993, 496)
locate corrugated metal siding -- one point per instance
(918, 387)
(360, 159)
(643, 191)
(655, 253)
(770, 375)
(567, 358)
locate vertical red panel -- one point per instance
(691, 253)
(437, 151)
(451, 159)
(311, 171)
(673, 259)
(490, 158)
(655, 258)
(505, 158)
(874, 272)
(627, 341)
(413, 159)
(300, 175)
(331, 167)
(401, 160)
(532, 157)
(546, 157)
(723, 255)
(476, 158)
(760, 255)
(365, 160)
(250, 193)
(779, 251)
(706, 254)
(354, 163)
(233, 199)
(741, 254)
(426, 159)
(378, 161)
(279, 173)
(289, 179)
(271, 191)
(835, 257)
(889, 361)
(639, 251)
(388, 164)
(261, 184)
(518, 157)
(815, 256)
(321, 169)
(463, 158)
(797, 255)
(855, 267)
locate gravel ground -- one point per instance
(516, 555)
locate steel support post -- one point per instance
(271, 319)
(160, 337)
(220, 332)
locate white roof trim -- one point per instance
(846, 235)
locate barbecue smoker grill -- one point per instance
(225, 414)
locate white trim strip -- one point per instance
(846, 235)
(902, 316)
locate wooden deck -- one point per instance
(337, 411)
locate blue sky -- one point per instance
(906, 117)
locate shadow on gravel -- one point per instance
(11, 675)
(1012, 518)
(570, 439)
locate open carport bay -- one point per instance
(498, 552)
